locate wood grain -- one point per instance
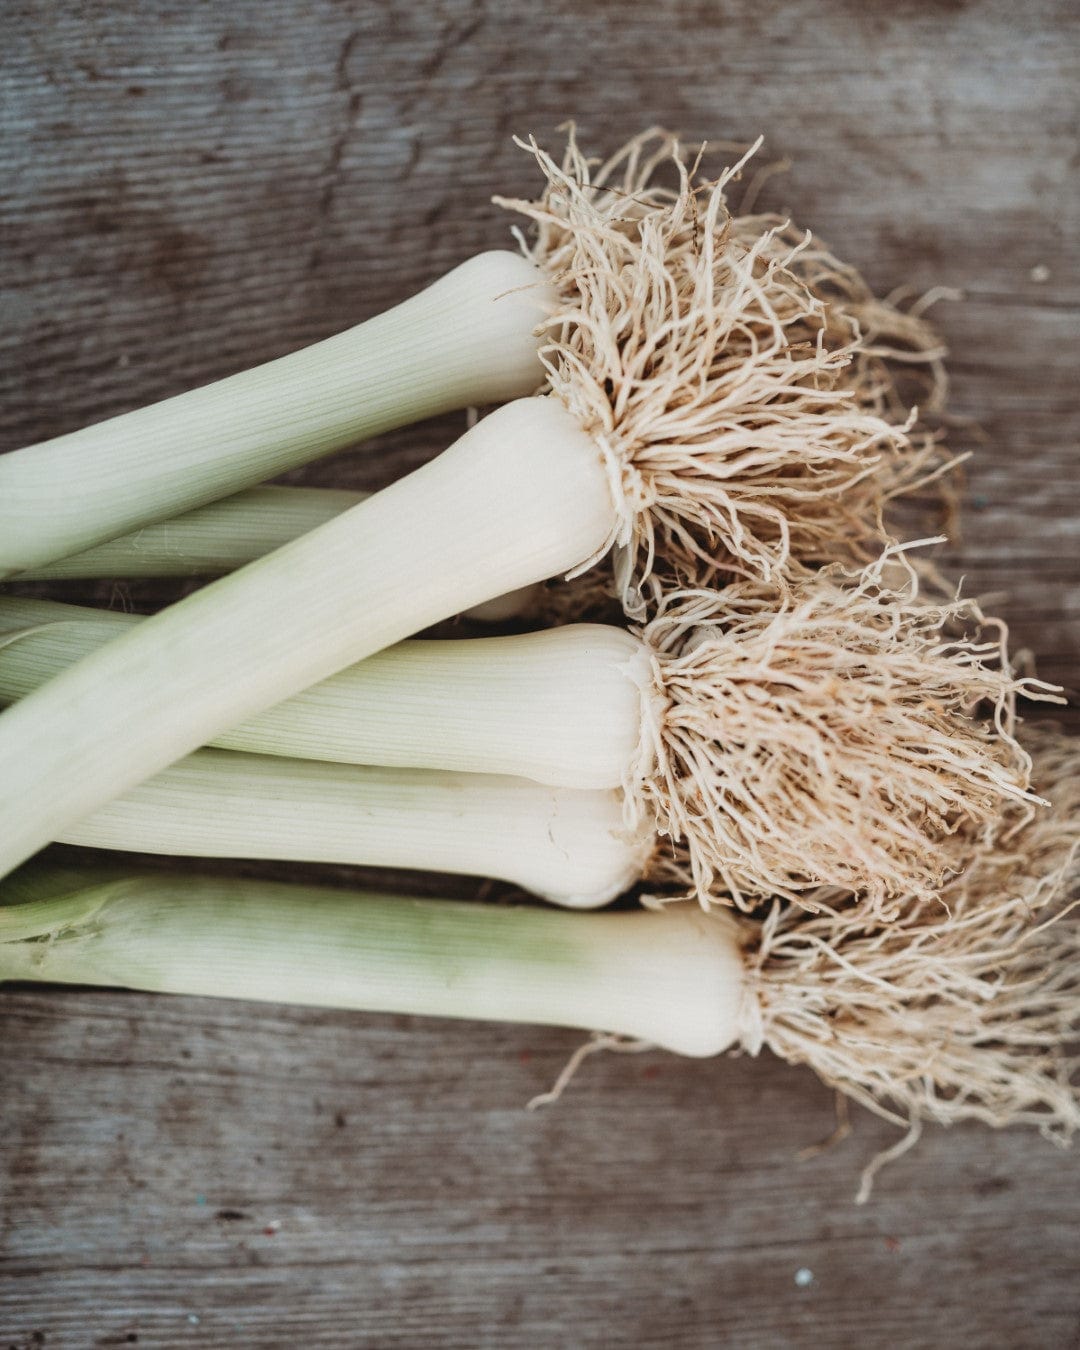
(189, 189)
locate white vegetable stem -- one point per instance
(522, 496)
(562, 706)
(222, 536)
(674, 978)
(466, 339)
(572, 848)
(225, 535)
(209, 540)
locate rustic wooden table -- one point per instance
(193, 188)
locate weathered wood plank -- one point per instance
(660, 1203)
(189, 189)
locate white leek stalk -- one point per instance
(522, 496)
(467, 339)
(208, 540)
(222, 536)
(561, 706)
(573, 848)
(674, 979)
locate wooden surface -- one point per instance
(192, 188)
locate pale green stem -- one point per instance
(222, 536)
(561, 706)
(674, 978)
(467, 339)
(207, 541)
(570, 847)
(522, 496)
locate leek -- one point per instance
(211, 540)
(561, 706)
(674, 979)
(963, 1008)
(522, 496)
(573, 848)
(825, 741)
(206, 541)
(467, 339)
(698, 411)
